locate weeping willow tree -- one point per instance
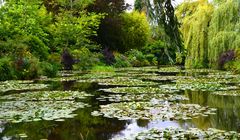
(224, 30)
(209, 29)
(161, 15)
(195, 17)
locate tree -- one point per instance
(195, 18)
(161, 14)
(26, 22)
(224, 31)
(209, 30)
(110, 27)
(135, 31)
(72, 31)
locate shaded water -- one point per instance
(87, 127)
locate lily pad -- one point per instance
(46, 96)
(153, 110)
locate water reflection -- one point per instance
(136, 126)
(227, 115)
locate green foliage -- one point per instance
(33, 33)
(195, 18)
(137, 58)
(20, 19)
(234, 65)
(161, 14)
(72, 31)
(161, 51)
(209, 29)
(6, 69)
(97, 69)
(86, 58)
(27, 68)
(48, 69)
(135, 31)
(138, 5)
(224, 30)
(121, 61)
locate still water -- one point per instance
(84, 126)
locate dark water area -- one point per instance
(84, 126)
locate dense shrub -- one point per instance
(233, 64)
(226, 57)
(137, 58)
(27, 68)
(135, 31)
(86, 59)
(121, 61)
(6, 69)
(48, 69)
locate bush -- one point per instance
(6, 69)
(225, 58)
(48, 69)
(86, 59)
(137, 58)
(234, 65)
(152, 59)
(27, 68)
(121, 61)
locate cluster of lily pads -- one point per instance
(46, 96)
(227, 93)
(20, 85)
(165, 78)
(207, 80)
(153, 110)
(120, 81)
(198, 86)
(141, 97)
(179, 133)
(22, 111)
(41, 105)
(138, 90)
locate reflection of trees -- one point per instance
(142, 123)
(197, 97)
(82, 126)
(227, 115)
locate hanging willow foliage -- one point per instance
(195, 17)
(224, 31)
(209, 29)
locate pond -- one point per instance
(129, 103)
